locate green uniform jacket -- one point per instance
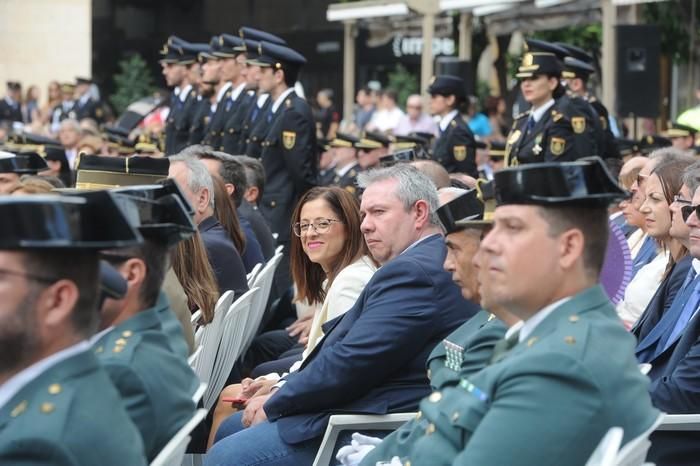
(69, 415)
(477, 337)
(548, 401)
(155, 385)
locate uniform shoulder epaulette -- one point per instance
(193, 93)
(453, 123)
(288, 103)
(48, 406)
(522, 115)
(119, 345)
(557, 115)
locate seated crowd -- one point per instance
(481, 310)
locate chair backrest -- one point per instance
(230, 346)
(264, 282)
(194, 356)
(199, 393)
(209, 337)
(253, 273)
(606, 452)
(174, 451)
(634, 452)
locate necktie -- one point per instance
(503, 346)
(254, 115)
(269, 115)
(530, 123)
(686, 314)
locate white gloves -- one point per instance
(351, 455)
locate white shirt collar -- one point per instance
(99, 335)
(696, 265)
(343, 170)
(84, 98)
(511, 330)
(262, 98)
(538, 113)
(10, 101)
(280, 99)
(530, 324)
(237, 91)
(18, 381)
(222, 91)
(176, 90)
(182, 95)
(445, 121)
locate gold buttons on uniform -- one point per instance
(574, 318)
(230, 130)
(532, 341)
(569, 340)
(430, 429)
(127, 333)
(455, 416)
(47, 408)
(273, 203)
(54, 389)
(118, 349)
(120, 341)
(19, 409)
(435, 397)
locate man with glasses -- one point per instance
(57, 405)
(675, 386)
(415, 120)
(372, 359)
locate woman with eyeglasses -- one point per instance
(330, 266)
(664, 222)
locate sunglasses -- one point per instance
(686, 210)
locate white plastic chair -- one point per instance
(209, 336)
(279, 249)
(194, 356)
(199, 393)
(606, 452)
(676, 422)
(634, 452)
(355, 422)
(230, 346)
(253, 273)
(195, 318)
(173, 452)
(257, 309)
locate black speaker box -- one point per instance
(457, 67)
(638, 76)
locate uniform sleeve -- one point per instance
(563, 144)
(464, 141)
(298, 142)
(36, 452)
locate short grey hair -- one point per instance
(412, 186)
(198, 176)
(669, 154)
(691, 177)
(71, 123)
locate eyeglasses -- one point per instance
(679, 200)
(28, 276)
(321, 225)
(686, 210)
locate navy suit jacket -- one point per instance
(647, 329)
(223, 257)
(372, 359)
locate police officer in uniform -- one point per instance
(66, 109)
(156, 384)
(57, 404)
(178, 59)
(559, 360)
(232, 63)
(10, 106)
(85, 105)
(13, 166)
(372, 146)
(289, 146)
(237, 127)
(345, 159)
(553, 129)
(682, 136)
(455, 149)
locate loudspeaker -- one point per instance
(457, 67)
(638, 80)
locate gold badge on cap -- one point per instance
(289, 138)
(579, 124)
(557, 146)
(528, 59)
(460, 153)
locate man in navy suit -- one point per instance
(676, 387)
(372, 359)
